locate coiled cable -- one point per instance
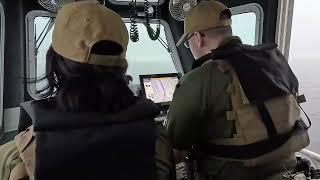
(134, 33)
(154, 35)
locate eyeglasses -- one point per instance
(186, 42)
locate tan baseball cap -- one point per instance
(80, 25)
(204, 16)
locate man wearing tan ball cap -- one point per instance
(205, 16)
(202, 109)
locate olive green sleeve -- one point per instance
(186, 110)
(164, 155)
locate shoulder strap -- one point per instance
(227, 51)
(244, 152)
(26, 144)
(19, 172)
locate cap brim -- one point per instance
(182, 39)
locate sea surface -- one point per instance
(308, 74)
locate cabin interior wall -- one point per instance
(15, 63)
(14, 53)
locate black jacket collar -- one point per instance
(44, 117)
(226, 42)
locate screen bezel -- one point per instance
(141, 77)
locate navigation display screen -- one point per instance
(159, 89)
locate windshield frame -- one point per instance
(258, 11)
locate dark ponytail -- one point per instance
(79, 87)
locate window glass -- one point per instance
(43, 33)
(244, 26)
(144, 57)
(147, 56)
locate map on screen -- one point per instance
(160, 89)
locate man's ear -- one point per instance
(199, 39)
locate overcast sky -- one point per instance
(305, 37)
(304, 60)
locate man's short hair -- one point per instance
(219, 32)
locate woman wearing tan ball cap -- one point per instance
(89, 124)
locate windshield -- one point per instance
(147, 56)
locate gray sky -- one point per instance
(305, 37)
(304, 60)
